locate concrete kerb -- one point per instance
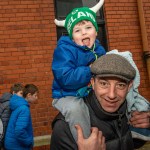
(42, 140)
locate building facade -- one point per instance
(28, 37)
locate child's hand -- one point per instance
(140, 119)
(96, 141)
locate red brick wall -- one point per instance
(27, 41)
(28, 38)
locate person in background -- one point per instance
(19, 133)
(5, 111)
(71, 63)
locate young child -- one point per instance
(5, 111)
(19, 133)
(71, 66)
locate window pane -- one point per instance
(63, 7)
(90, 4)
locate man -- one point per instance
(112, 79)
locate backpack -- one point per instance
(1, 132)
(4, 115)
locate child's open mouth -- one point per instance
(86, 41)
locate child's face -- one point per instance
(32, 98)
(84, 34)
(19, 93)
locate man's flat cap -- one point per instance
(113, 65)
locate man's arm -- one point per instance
(140, 119)
(62, 138)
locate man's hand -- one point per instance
(96, 141)
(140, 119)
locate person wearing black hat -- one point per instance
(112, 79)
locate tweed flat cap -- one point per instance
(113, 65)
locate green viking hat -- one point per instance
(79, 14)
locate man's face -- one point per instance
(110, 92)
(84, 34)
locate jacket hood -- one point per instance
(5, 97)
(17, 101)
(67, 41)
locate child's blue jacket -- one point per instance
(19, 133)
(70, 66)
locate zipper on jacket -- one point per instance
(118, 128)
(93, 51)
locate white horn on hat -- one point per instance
(59, 23)
(97, 6)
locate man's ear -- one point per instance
(92, 82)
(130, 85)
